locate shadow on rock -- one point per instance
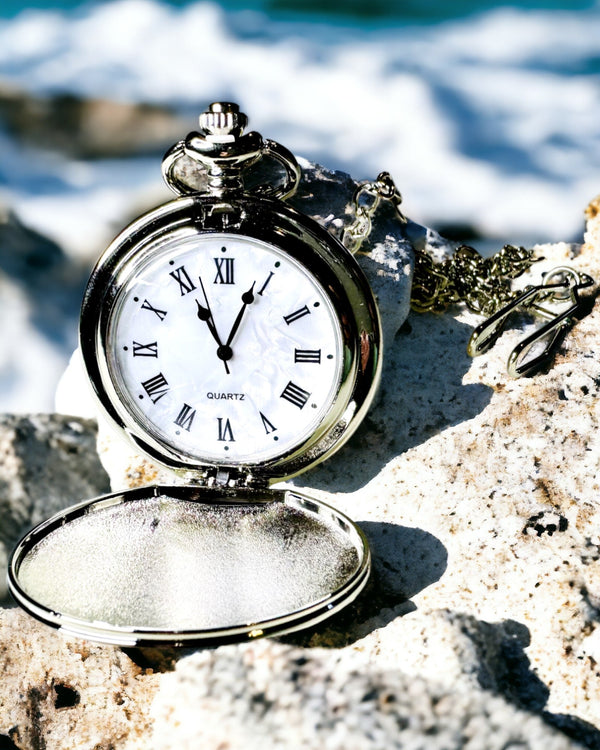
(405, 561)
(421, 394)
(53, 283)
(504, 668)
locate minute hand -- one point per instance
(247, 299)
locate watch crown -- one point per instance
(223, 121)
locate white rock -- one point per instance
(480, 496)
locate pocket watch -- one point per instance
(235, 341)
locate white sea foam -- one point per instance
(490, 120)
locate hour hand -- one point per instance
(205, 314)
(224, 353)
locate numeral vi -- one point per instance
(225, 431)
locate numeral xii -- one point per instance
(224, 271)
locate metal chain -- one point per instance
(483, 284)
(365, 202)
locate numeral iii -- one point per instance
(307, 355)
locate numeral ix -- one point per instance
(145, 350)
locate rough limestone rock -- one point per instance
(57, 693)
(267, 695)
(47, 463)
(480, 627)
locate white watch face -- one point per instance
(224, 348)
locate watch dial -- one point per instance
(224, 348)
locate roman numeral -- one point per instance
(295, 395)
(156, 387)
(264, 286)
(160, 313)
(225, 431)
(185, 417)
(269, 427)
(181, 277)
(296, 315)
(224, 271)
(145, 350)
(307, 355)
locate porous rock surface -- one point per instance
(480, 627)
(47, 463)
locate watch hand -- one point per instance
(204, 313)
(247, 299)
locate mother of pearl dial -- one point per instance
(225, 349)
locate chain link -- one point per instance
(483, 284)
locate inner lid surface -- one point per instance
(178, 565)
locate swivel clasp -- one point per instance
(556, 300)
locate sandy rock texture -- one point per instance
(57, 693)
(480, 627)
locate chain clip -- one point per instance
(556, 300)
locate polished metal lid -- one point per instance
(184, 565)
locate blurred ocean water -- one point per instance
(488, 116)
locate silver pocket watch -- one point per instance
(237, 342)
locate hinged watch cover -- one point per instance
(235, 341)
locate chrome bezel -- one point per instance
(301, 238)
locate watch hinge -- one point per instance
(224, 478)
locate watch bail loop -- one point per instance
(223, 152)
